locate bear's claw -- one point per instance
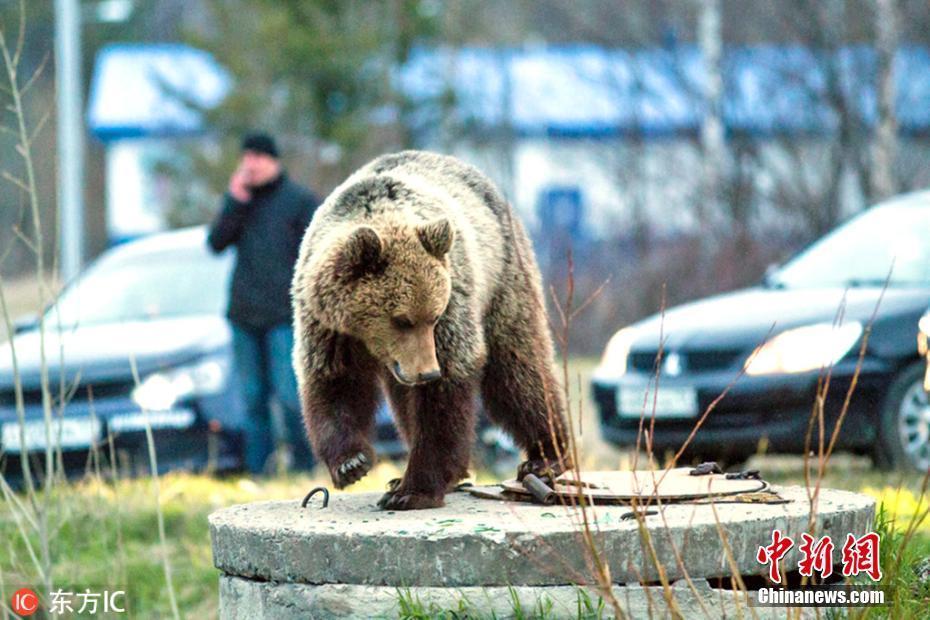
(408, 501)
(351, 470)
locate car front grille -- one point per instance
(33, 395)
(699, 360)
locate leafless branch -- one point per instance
(35, 75)
(18, 182)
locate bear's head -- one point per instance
(392, 286)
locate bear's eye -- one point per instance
(401, 322)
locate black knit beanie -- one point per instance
(260, 143)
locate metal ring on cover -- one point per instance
(638, 513)
(313, 492)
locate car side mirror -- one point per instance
(26, 323)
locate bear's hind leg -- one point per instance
(442, 427)
(521, 394)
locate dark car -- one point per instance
(150, 310)
(141, 328)
(765, 349)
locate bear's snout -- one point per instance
(422, 377)
(429, 376)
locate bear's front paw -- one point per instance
(351, 469)
(393, 500)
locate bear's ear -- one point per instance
(361, 253)
(436, 237)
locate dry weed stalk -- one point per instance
(37, 512)
(33, 517)
(580, 503)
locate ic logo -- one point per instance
(25, 602)
(673, 365)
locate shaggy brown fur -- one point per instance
(414, 274)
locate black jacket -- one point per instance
(266, 231)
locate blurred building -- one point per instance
(601, 141)
(144, 99)
(623, 126)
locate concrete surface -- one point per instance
(475, 542)
(243, 599)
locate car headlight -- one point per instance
(804, 348)
(613, 362)
(161, 390)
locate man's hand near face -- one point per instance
(239, 185)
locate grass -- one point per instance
(909, 590)
(108, 536)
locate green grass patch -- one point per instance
(105, 536)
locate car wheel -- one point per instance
(904, 434)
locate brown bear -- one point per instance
(415, 275)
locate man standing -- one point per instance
(264, 214)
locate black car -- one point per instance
(141, 329)
(151, 310)
(765, 350)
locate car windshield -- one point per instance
(891, 238)
(144, 286)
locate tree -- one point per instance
(321, 74)
(23, 25)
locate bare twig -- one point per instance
(35, 74)
(40, 509)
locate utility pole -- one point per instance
(713, 132)
(70, 137)
(885, 145)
